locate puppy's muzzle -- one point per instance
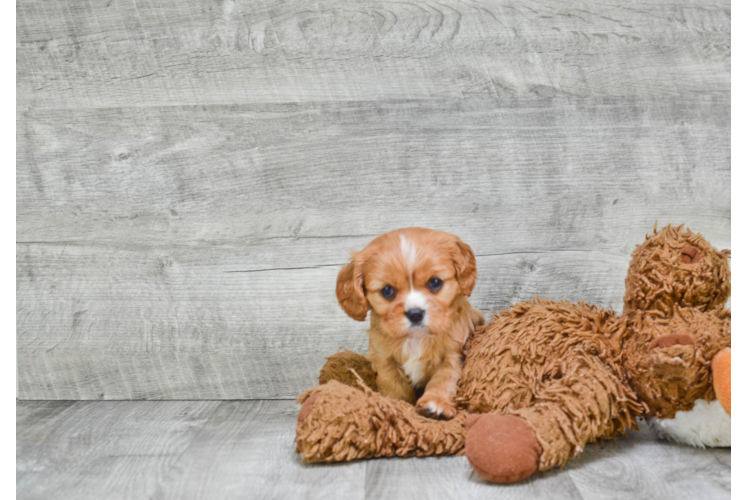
(415, 316)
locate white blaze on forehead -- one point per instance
(415, 300)
(410, 254)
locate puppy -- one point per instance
(415, 282)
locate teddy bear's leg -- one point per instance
(338, 423)
(501, 448)
(588, 404)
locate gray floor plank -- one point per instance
(38, 414)
(636, 466)
(641, 466)
(246, 450)
(112, 54)
(436, 478)
(117, 450)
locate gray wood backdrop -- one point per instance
(190, 175)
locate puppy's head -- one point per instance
(410, 279)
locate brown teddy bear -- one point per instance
(544, 378)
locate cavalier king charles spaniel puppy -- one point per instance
(415, 282)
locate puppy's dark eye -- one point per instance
(388, 292)
(435, 284)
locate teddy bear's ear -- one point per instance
(350, 290)
(690, 255)
(466, 267)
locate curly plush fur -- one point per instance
(349, 367)
(675, 267)
(558, 366)
(552, 376)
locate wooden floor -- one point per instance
(244, 449)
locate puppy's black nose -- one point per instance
(415, 315)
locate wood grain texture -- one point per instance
(246, 449)
(190, 175)
(240, 449)
(442, 478)
(176, 324)
(114, 54)
(117, 450)
(148, 271)
(554, 174)
(641, 466)
(635, 466)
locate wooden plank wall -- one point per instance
(191, 175)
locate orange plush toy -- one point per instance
(544, 378)
(730, 368)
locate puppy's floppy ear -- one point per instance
(466, 267)
(350, 290)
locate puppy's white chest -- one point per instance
(413, 366)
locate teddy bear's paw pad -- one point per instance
(435, 406)
(502, 448)
(671, 340)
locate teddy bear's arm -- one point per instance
(672, 358)
(338, 423)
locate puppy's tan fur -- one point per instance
(407, 357)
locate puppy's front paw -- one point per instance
(435, 406)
